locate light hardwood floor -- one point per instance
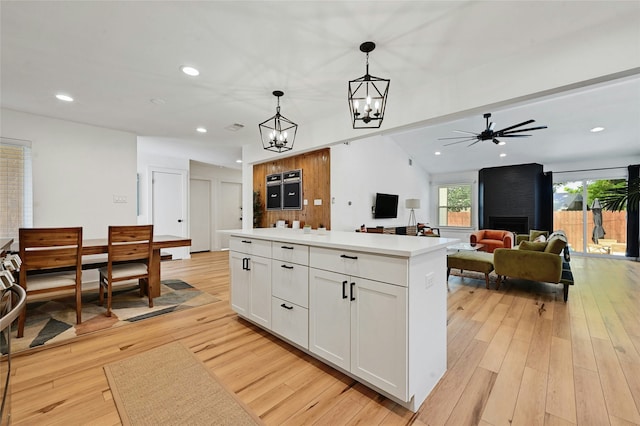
(518, 356)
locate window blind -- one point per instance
(16, 205)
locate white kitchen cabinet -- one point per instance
(372, 305)
(360, 325)
(251, 279)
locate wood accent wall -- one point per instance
(316, 184)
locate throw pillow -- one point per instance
(540, 239)
(534, 233)
(555, 245)
(533, 246)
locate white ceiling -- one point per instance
(114, 57)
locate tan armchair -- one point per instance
(492, 239)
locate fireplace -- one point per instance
(515, 224)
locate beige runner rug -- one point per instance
(169, 385)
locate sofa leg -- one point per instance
(498, 281)
(566, 292)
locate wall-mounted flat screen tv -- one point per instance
(386, 206)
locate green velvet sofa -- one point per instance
(536, 261)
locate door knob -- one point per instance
(179, 220)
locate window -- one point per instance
(454, 205)
(589, 230)
(15, 187)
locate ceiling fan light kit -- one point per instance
(278, 133)
(489, 134)
(368, 96)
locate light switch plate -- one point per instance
(317, 202)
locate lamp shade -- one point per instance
(412, 203)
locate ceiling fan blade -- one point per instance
(514, 136)
(515, 125)
(466, 140)
(524, 130)
(473, 143)
(465, 132)
(456, 137)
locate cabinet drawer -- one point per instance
(376, 267)
(290, 321)
(290, 281)
(294, 253)
(250, 246)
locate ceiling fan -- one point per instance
(489, 134)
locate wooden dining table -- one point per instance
(96, 246)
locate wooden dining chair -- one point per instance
(129, 257)
(51, 262)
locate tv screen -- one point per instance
(386, 206)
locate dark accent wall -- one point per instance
(516, 191)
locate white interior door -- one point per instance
(169, 206)
(200, 214)
(230, 209)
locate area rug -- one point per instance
(53, 321)
(169, 385)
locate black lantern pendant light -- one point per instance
(368, 96)
(278, 133)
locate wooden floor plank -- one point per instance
(502, 401)
(617, 394)
(530, 406)
(561, 397)
(591, 408)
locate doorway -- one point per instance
(200, 214)
(169, 205)
(230, 209)
(589, 228)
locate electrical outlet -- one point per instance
(317, 202)
(428, 282)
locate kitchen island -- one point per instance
(373, 306)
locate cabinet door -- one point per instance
(239, 283)
(329, 317)
(260, 291)
(290, 281)
(379, 335)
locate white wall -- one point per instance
(77, 170)
(216, 175)
(362, 168)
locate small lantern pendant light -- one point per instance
(368, 96)
(278, 133)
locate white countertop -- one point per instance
(388, 244)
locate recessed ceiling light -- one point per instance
(201, 130)
(437, 153)
(502, 143)
(190, 71)
(596, 129)
(64, 97)
(238, 161)
(503, 155)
